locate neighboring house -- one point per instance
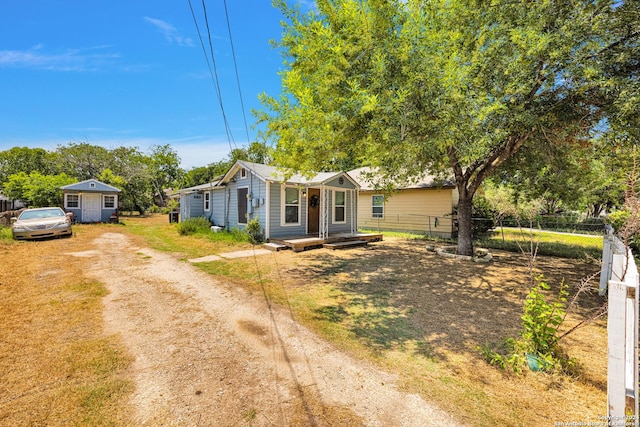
(422, 207)
(9, 205)
(91, 201)
(297, 206)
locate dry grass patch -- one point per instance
(425, 316)
(56, 365)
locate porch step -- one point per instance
(344, 245)
(275, 246)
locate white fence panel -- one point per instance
(620, 276)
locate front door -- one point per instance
(313, 210)
(91, 207)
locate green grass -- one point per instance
(515, 240)
(5, 233)
(548, 243)
(164, 236)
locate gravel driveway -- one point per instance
(209, 355)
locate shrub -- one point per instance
(539, 338)
(255, 231)
(193, 225)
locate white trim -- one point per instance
(344, 206)
(267, 225)
(283, 206)
(206, 200)
(246, 217)
(66, 201)
(104, 201)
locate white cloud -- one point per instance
(170, 32)
(88, 59)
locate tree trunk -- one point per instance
(465, 225)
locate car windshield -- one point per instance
(43, 213)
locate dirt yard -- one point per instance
(207, 352)
(209, 355)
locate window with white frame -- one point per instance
(108, 201)
(339, 205)
(377, 206)
(71, 201)
(243, 173)
(291, 209)
(207, 201)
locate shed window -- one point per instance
(243, 173)
(207, 201)
(291, 206)
(71, 201)
(339, 206)
(108, 201)
(377, 206)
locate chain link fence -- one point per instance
(553, 235)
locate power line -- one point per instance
(235, 66)
(212, 72)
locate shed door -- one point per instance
(313, 210)
(91, 207)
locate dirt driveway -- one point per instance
(207, 354)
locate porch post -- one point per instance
(324, 213)
(354, 211)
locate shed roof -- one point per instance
(91, 185)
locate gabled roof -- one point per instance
(91, 185)
(275, 174)
(427, 181)
(197, 188)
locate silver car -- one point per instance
(40, 223)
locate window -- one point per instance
(339, 206)
(71, 201)
(108, 201)
(291, 206)
(377, 206)
(243, 173)
(207, 201)
(92, 185)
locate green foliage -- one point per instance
(254, 229)
(5, 233)
(192, 226)
(37, 190)
(448, 87)
(26, 160)
(541, 320)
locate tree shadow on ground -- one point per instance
(401, 295)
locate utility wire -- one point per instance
(235, 66)
(213, 72)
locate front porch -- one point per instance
(333, 241)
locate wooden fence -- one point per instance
(619, 277)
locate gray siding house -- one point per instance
(297, 206)
(91, 201)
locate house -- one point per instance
(7, 204)
(91, 201)
(285, 208)
(422, 207)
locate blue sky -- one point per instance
(133, 73)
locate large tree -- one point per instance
(455, 87)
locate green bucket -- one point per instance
(535, 362)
